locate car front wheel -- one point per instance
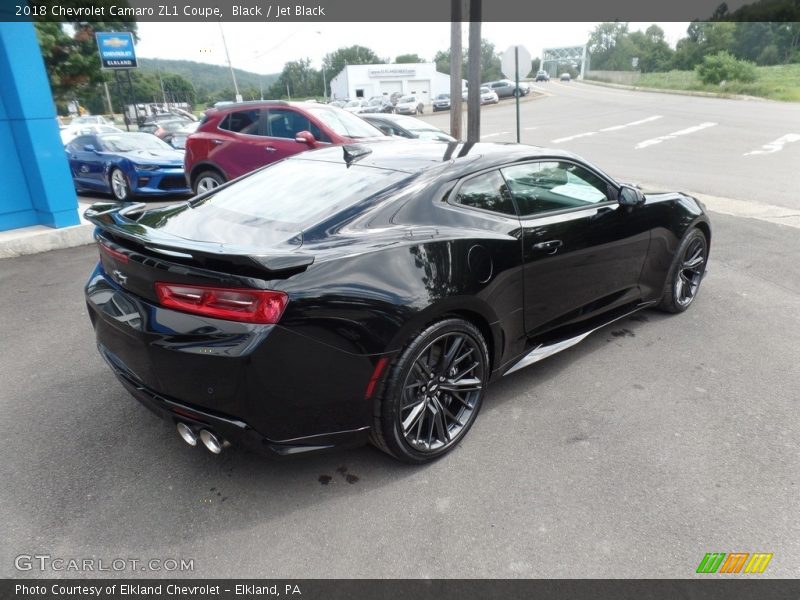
(686, 273)
(119, 185)
(433, 392)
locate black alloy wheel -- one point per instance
(434, 392)
(686, 273)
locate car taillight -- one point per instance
(111, 252)
(250, 306)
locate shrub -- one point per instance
(725, 67)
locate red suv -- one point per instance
(239, 138)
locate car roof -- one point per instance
(416, 156)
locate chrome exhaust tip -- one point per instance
(212, 442)
(187, 434)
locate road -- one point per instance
(621, 130)
(656, 440)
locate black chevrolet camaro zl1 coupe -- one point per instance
(372, 292)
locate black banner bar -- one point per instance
(437, 589)
(255, 11)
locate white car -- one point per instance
(70, 132)
(488, 96)
(356, 106)
(409, 105)
(89, 120)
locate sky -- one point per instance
(265, 47)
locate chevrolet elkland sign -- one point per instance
(116, 50)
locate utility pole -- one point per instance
(230, 66)
(456, 117)
(161, 83)
(474, 75)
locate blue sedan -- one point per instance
(126, 165)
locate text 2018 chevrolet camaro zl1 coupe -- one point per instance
(374, 291)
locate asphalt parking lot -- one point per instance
(657, 440)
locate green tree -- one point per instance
(336, 61)
(301, 79)
(409, 58)
(71, 57)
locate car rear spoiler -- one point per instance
(116, 219)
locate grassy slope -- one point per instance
(776, 83)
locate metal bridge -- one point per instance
(552, 57)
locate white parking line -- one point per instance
(647, 120)
(777, 145)
(674, 134)
(488, 135)
(613, 128)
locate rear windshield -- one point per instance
(277, 202)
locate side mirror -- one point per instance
(90, 148)
(306, 137)
(630, 196)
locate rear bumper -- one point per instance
(233, 430)
(264, 386)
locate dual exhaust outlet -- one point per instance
(214, 443)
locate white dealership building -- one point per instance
(365, 81)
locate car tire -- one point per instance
(207, 181)
(432, 396)
(686, 273)
(120, 188)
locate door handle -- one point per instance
(550, 246)
(270, 149)
(216, 142)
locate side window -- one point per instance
(542, 187)
(487, 191)
(242, 121)
(285, 123)
(79, 142)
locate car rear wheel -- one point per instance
(207, 181)
(433, 393)
(686, 273)
(119, 185)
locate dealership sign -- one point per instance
(116, 50)
(392, 72)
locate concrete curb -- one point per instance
(637, 88)
(33, 240)
(770, 213)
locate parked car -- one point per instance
(566, 77)
(242, 137)
(488, 96)
(178, 138)
(441, 102)
(89, 120)
(337, 103)
(356, 106)
(409, 105)
(542, 76)
(505, 88)
(376, 292)
(126, 165)
(151, 120)
(378, 104)
(407, 127)
(70, 132)
(164, 129)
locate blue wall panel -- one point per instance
(33, 165)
